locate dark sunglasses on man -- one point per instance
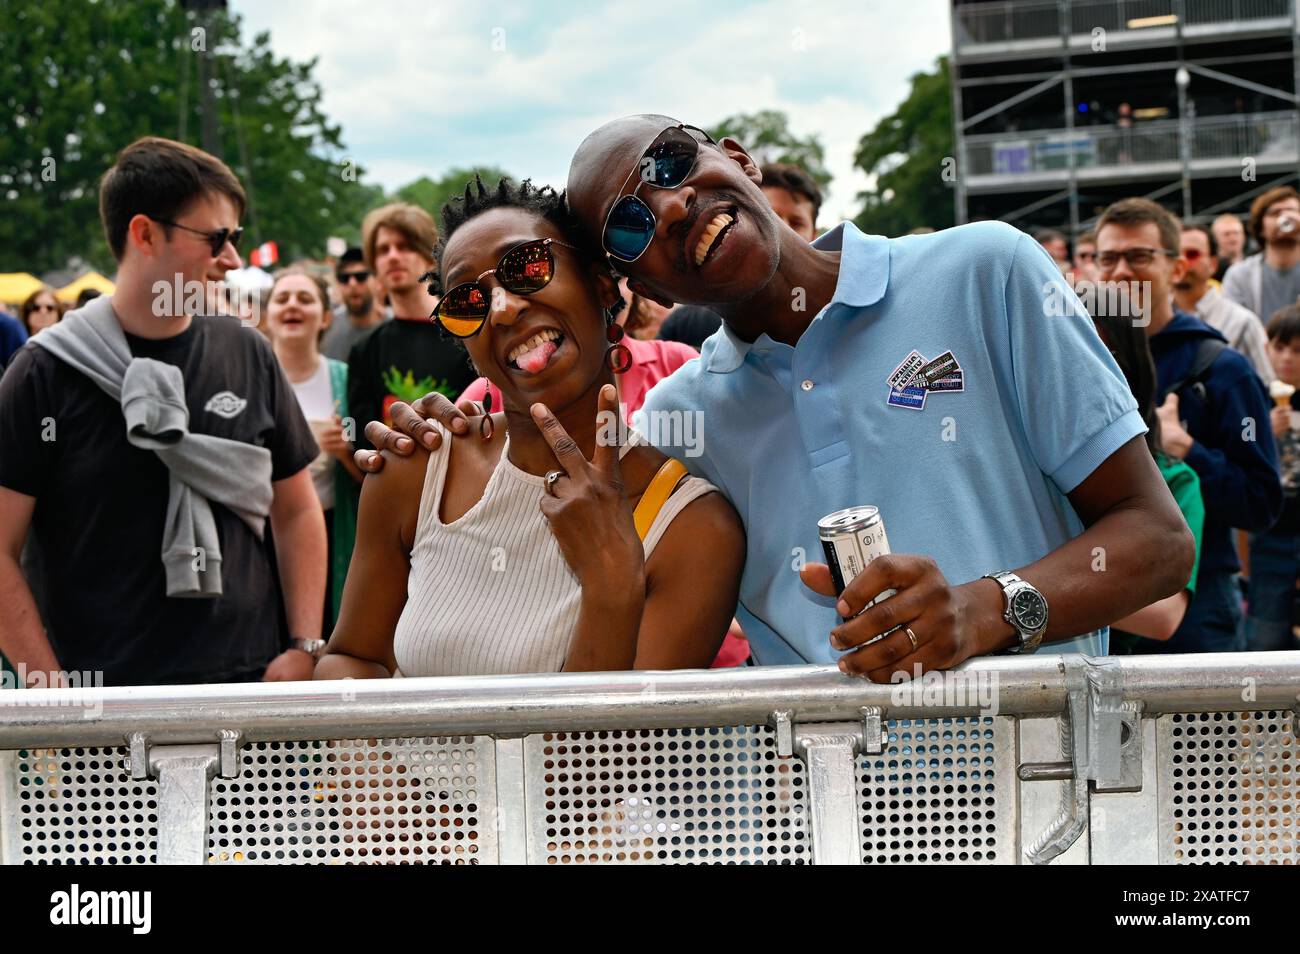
(217, 240)
(665, 164)
(346, 278)
(524, 269)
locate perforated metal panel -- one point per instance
(76, 806)
(941, 794)
(669, 796)
(382, 801)
(1229, 788)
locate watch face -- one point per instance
(1029, 609)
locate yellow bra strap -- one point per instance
(656, 495)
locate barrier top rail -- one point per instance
(393, 708)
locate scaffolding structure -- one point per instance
(1061, 108)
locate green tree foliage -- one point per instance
(79, 80)
(431, 195)
(906, 155)
(766, 136)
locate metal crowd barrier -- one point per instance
(1064, 759)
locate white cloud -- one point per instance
(419, 87)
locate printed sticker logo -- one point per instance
(226, 404)
(911, 381)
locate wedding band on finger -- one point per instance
(912, 636)
(551, 477)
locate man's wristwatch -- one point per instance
(1026, 610)
(314, 648)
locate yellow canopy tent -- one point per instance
(16, 286)
(68, 293)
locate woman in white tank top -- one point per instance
(471, 559)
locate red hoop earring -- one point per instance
(618, 357)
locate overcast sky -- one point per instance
(420, 86)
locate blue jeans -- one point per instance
(1274, 566)
(1212, 623)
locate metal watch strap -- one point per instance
(1006, 579)
(312, 647)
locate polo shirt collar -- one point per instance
(863, 278)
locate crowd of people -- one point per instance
(453, 457)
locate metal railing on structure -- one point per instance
(976, 24)
(1169, 759)
(1261, 137)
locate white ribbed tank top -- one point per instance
(491, 593)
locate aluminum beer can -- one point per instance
(851, 539)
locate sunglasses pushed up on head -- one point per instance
(665, 164)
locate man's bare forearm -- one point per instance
(1128, 559)
(22, 637)
(301, 550)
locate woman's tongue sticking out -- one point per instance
(534, 359)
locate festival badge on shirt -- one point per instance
(915, 377)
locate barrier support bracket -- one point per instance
(184, 773)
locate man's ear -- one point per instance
(145, 235)
(737, 154)
(1177, 269)
(606, 286)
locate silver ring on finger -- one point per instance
(911, 636)
(551, 477)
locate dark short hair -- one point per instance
(1260, 206)
(1209, 236)
(792, 179)
(1284, 326)
(1135, 211)
(543, 202)
(1087, 238)
(1043, 236)
(160, 178)
(352, 256)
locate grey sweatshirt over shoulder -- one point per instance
(201, 467)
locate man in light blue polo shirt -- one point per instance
(976, 478)
(949, 379)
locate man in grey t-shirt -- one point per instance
(359, 311)
(1271, 279)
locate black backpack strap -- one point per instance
(1207, 352)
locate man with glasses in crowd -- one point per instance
(1214, 415)
(1197, 294)
(357, 312)
(848, 373)
(156, 454)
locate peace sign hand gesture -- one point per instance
(587, 506)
